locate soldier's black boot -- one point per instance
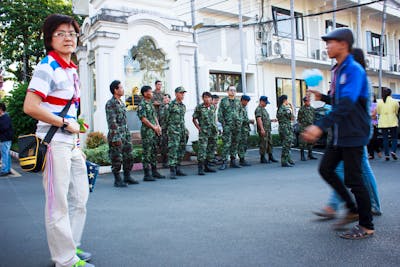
(179, 172)
(128, 178)
(172, 172)
(164, 161)
(147, 177)
(244, 163)
(223, 165)
(234, 164)
(271, 158)
(155, 173)
(302, 155)
(201, 168)
(310, 155)
(118, 180)
(263, 159)
(207, 167)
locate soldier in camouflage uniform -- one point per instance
(244, 130)
(285, 117)
(228, 116)
(264, 130)
(176, 133)
(150, 131)
(305, 117)
(204, 120)
(162, 117)
(158, 96)
(119, 137)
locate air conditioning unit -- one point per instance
(367, 63)
(316, 54)
(277, 48)
(319, 55)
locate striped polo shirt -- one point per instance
(56, 82)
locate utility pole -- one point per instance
(381, 45)
(244, 89)
(196, 51)
(358, 43)
(293, 52)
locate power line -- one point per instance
(235, 25)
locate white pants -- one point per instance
(66, 215)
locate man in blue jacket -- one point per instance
(350, 121)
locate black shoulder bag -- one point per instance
(32, 150)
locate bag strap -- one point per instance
(53, 129)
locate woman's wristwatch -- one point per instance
(65, 124)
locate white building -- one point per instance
(116, 32)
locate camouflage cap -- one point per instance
(180, 89)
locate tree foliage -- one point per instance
(21, 40)
(22, 123)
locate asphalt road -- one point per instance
(253, 216)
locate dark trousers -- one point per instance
(392, 131)
(374, 144)
(351, 157)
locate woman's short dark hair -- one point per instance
(51, 24)
(114, 85)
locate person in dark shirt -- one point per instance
(6, 133)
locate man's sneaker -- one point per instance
(83, 255)
(82, 263)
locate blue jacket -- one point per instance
(350, 113)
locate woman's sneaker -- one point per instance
(83, 255)
(82, 263)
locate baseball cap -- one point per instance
(245, 97)
(340, 34)
(265, 99)
(180, 89)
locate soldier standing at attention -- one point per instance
(264, 131)
(204, 120)
(119, 137)
(285, 117)
(228, 116)
(176, 132)
(149, 131)
(244, 130)
(305, 117)
(158, 96)
(162, 116)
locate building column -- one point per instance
(103, 44)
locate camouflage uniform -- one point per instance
(266, 140)
(228, 116)
(284, 117)
(158, 96)
(162, 120)
(176, 132)
(305, 117)
(118, 132)
(208, 130)
(149, 137)
(244, 131)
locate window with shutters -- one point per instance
(374, 44)
(282, 23)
